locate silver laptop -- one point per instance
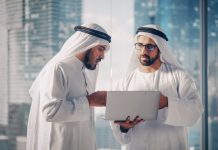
(121, 104)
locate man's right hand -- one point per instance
(127, 124)
(97, 99)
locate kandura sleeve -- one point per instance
(122, 138)
(187, 109)
(54, 104)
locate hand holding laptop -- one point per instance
(163, 101)
(127, 124)
(97, 99)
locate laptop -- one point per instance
(121, 104)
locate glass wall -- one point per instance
(213, 74)
(32, 31)
(180, 20)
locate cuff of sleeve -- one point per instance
(123, 130)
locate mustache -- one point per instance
(99, 59)
(146, 56)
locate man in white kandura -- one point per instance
(153, 68)
(61, 115)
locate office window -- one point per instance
(180, 20)
(213, 74)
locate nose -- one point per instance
(144, 51)
(102, 55)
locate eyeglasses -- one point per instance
(148, 47)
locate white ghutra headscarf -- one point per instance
(156, 34)
(86, 37)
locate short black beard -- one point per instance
(151, 60)
(87, 59)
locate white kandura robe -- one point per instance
(62, 119)
(169, 131)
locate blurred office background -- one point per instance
(32, 31)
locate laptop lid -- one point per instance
(121, 104)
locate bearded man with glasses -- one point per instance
(153, 67)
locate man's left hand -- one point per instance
(163, 101)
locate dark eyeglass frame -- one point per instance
(148, 47)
